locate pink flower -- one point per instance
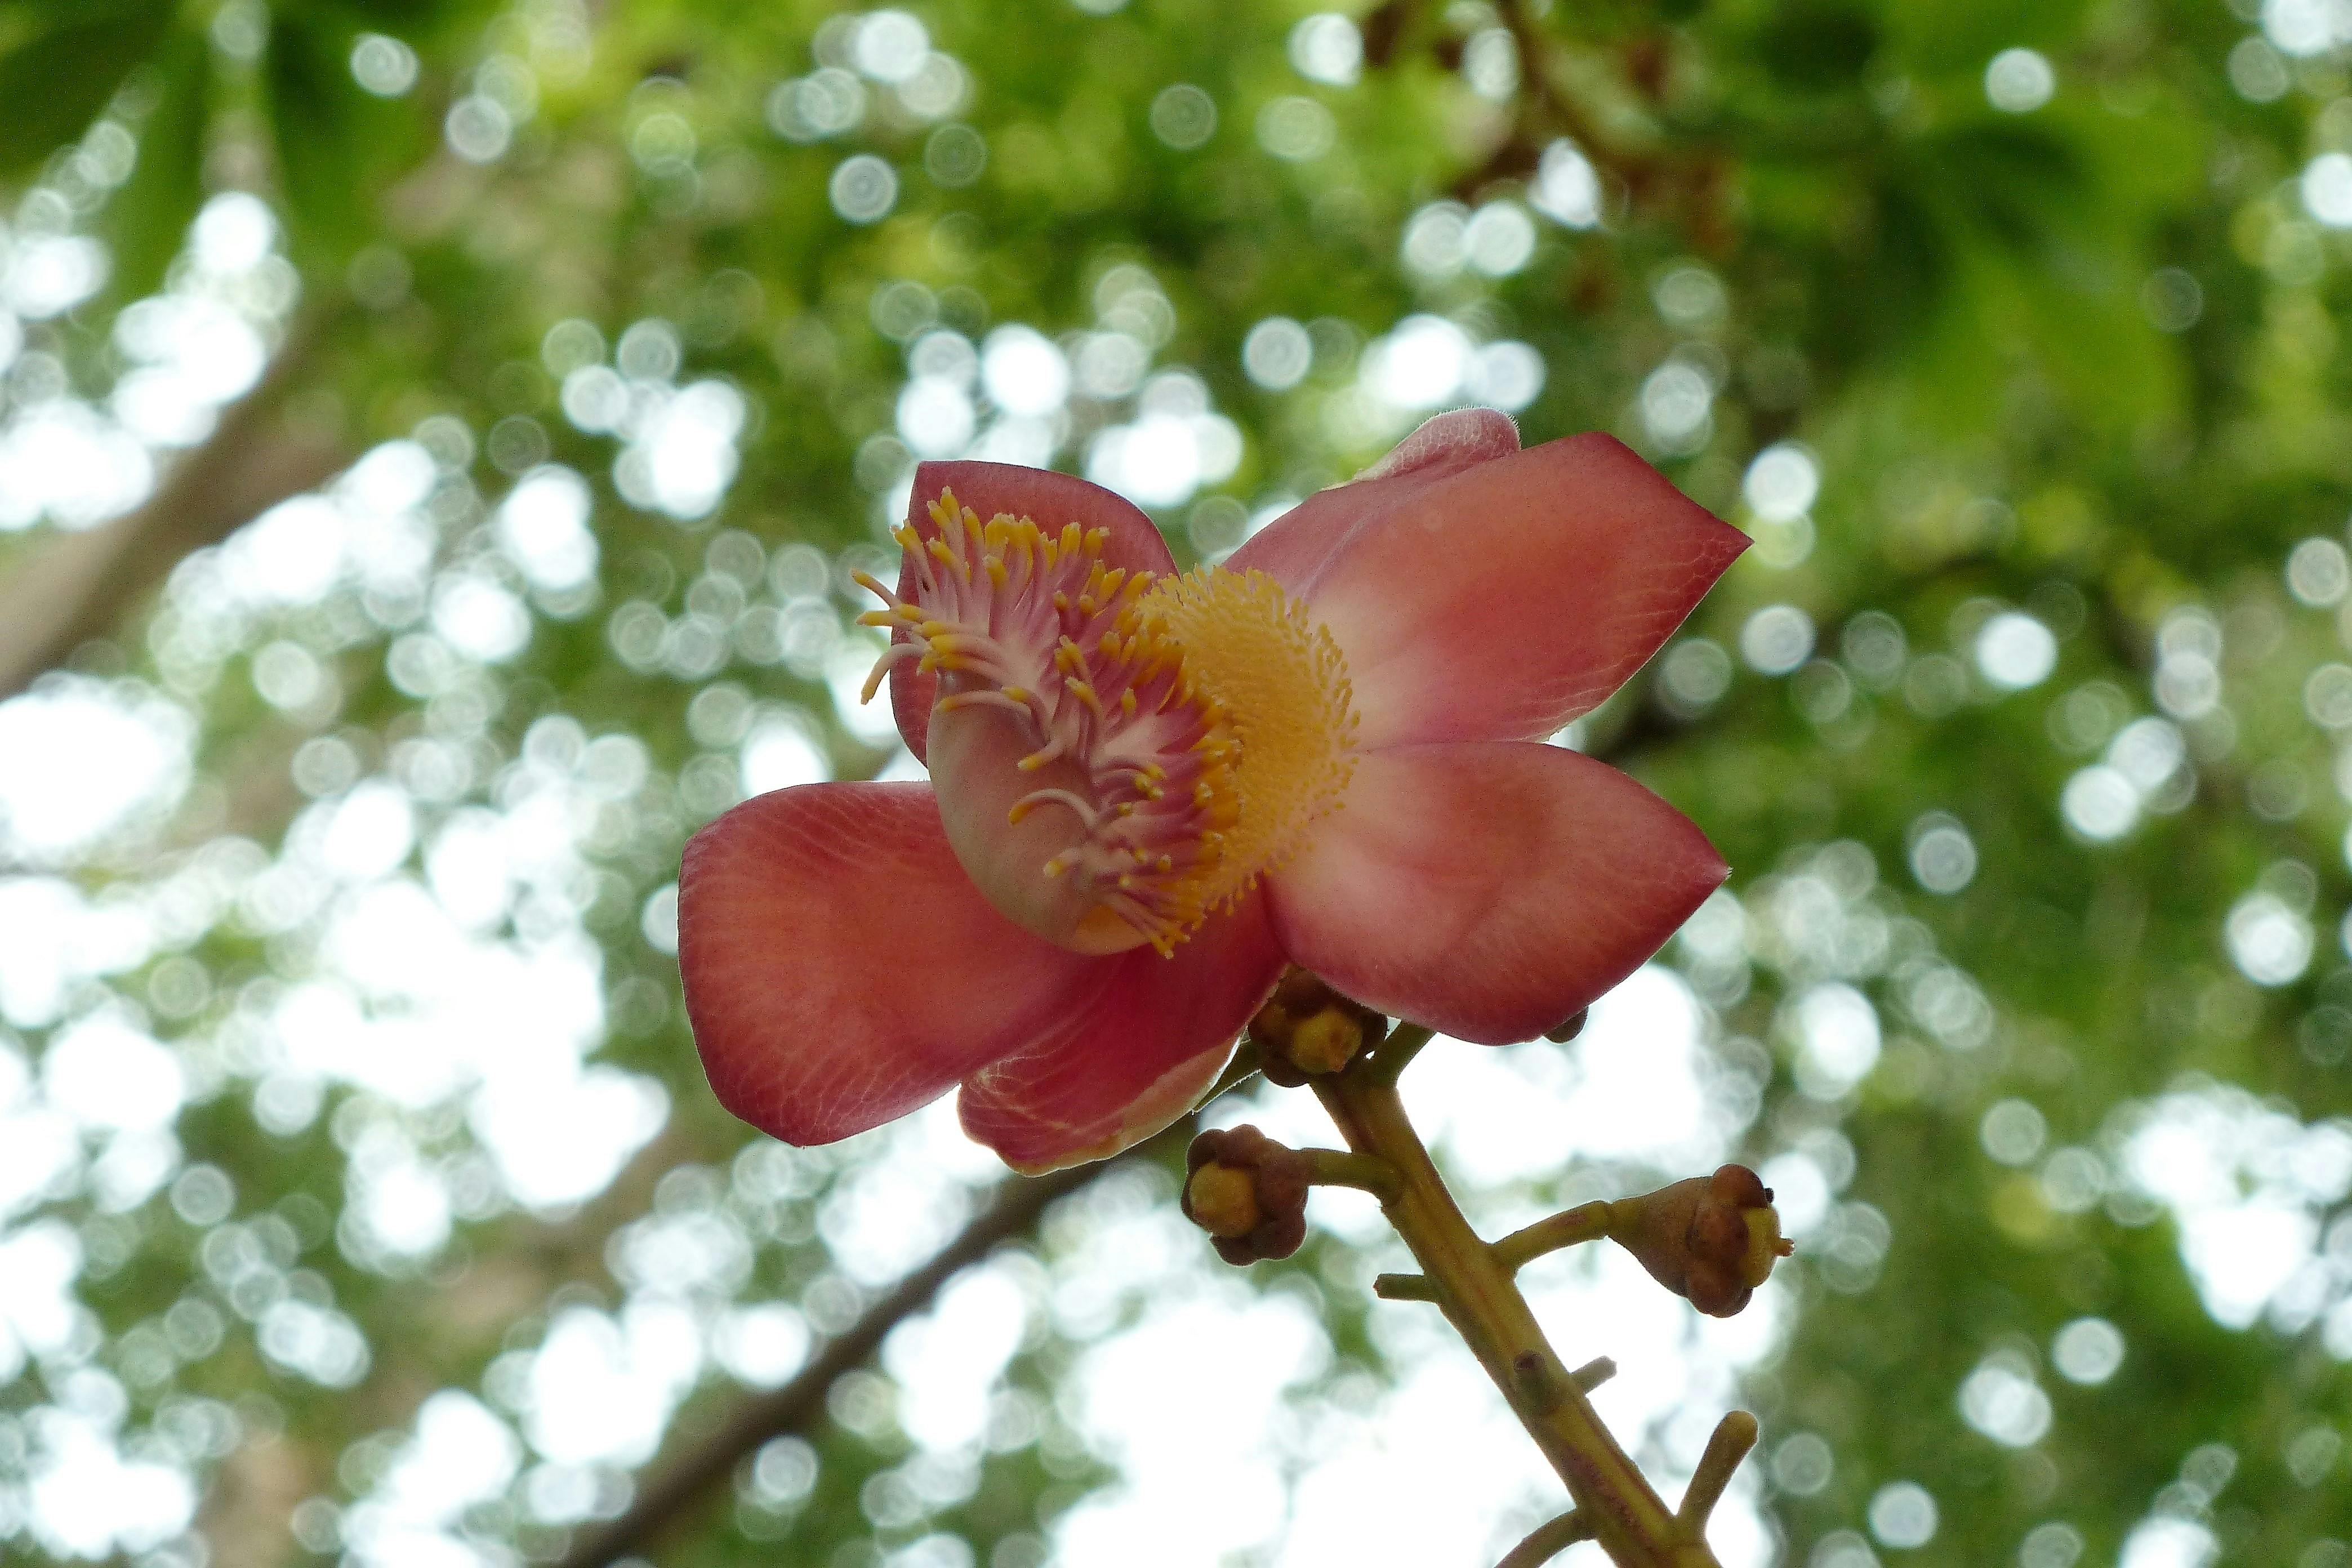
(1151, 792)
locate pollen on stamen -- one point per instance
(1279, 684)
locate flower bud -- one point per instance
(1248, 1192)
(1306, 1029)
(1568, 1027)
(1222, 1201)
(1712, 1239)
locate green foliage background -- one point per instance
(2080, 360)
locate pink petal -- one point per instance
(1503, 600)
(840, 968)
(912, 695)
(1448, 442)
(1137, 1058)
(1050, 500)
(1294, 546)
(1489, 888)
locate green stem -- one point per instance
(1238, 1071)
(1474, 1287)
(1733, 1436)
(1548, 1540)
(1586, 1222)
(1332, 1168)
(1404, 1288)
(1396, 1053)
(1594, 1373)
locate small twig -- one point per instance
(1548, 1540)
(1396, 1053)
(1735, 1434)
(1586, 1222)
(1593, 1373)
(1404, 1288)
(1338, 1168)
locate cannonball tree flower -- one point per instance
(1151, 792)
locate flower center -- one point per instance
(1117, 756)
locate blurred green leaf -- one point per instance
(65, 62)
(149, 217)
(1817, 45)
(337, 146)
(2010, 184)
(1962, 39)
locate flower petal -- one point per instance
(1004, 847)
(1293, 547)
(912, 695)
(1489, 888)
(1503, 600)
(1448, 442)
(1050, 500)
(840, 968)
(1134, 1060)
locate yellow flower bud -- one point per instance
(1327, 1042)
(1222, 1201)
(1248, 1192)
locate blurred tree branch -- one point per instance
(77, 587)
(800, 1403)
(1689, 184)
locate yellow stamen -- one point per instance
(1278, 683)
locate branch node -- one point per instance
(1539, 1381)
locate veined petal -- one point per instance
(1489, 888)
(1053, 500)
(975, 760)
(1293, 547)
(840, 968)
(1135, 1059)
(1448, 442)
(1503, 600)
